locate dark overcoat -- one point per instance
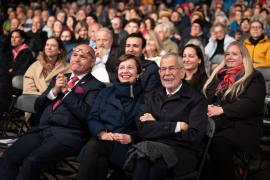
(247, 113)
(187, 105)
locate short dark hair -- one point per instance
(177, 13)
(130, 56)
(138, 35)
(136, 21)
(153, 24)
(262, 10)
(22, 34)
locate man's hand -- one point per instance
(214, 110)
(106, 136)
(213, 37)
(147, 117)
(61, 82)
(98, 53)
(183, 126)
(177, 36)
(122, 138)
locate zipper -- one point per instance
(253, 53)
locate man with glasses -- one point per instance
(62, 131)
(118, 32)
(36, 37)
(174, 114)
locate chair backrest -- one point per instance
(26, 102)
(265, 72)
(17, 82)
(108, 84)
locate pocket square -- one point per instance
(79, 89)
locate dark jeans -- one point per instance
(146, 170)
(95, 161)
(35, 152)
(221, 153)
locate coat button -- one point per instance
(164, 110)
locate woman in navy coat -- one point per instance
(112, 121)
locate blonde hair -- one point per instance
(80, 25)
(52, 29)
(238, 87)
(158, 42)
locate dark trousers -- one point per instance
(221, 153)
(146, 170)
(34, 152)
(95, 160)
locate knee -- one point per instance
(30, 161)
(92, 147)
(7, 158)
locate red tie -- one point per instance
(70, 86)
(169, 95)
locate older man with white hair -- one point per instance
(106, 56)
(163, 32)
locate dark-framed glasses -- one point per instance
(255, 27)
(84, 51)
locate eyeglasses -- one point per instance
(255, 27)
(84, 51)
(129, 68)
(115, 21)
(171, 69)
(244, 24)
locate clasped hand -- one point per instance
(214, 110)
(122, 138)
(61, 84)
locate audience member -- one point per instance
(45, 15)
(14, 23)
(118, 32)
(237, 23)
(62, 130)
(71, 23)
(133, 26)
(48, 27)
(265, 14)
(112, 133)
(91, 33)
(171, 32)
(222, 18)
(143, 29)
(81, 32)
(150, 23)
(163, 32)
(56, 29)
(258, 44)
(7, 23)
(247, 14)
(81, 15)
(235, 93)
(69, 40)
(135, 45)
(28, 22)
(245, 28)
(61, 16)
(154, 49)
(193, 59)
(36, 37)
(165, 16)
(176, 19)
(91, 19)
(106, 56)
(173, 143)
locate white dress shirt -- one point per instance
(177, 128)
(99, 69)
(52, 97)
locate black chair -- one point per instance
(209, 135)
(246, 162)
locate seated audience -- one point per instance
(36, 37)
(133, 26)
(135, 45)
(176, 19)
(14, 23)
(61, 16)
(143, 29)
(165, 16)
(196, 33)
(91, 33)
(193, 59)
(154, 47)
(81, 15)
(235, 93)
(172, 138)
(91, 19)
(163, 32)
(113, 133)
(81, 32)
(7, 23)
(258, 44)
(48, 27)
(118, 32)
(150, 23)
(62, 131)
(56, 29)
(69, 40)
(106, 56)
(237, 23)
(71, 23)
(244, 33)
(171, 31)
(222, 18)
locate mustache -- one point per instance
(168, 79)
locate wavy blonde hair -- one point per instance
(78, 26)
(158, 42)
(238, 87)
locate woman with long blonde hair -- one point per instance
(235, 93)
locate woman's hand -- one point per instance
(106, 136)
(147, 117)
(214, 110)
(123, 138)
(237, 36)
(213, 37)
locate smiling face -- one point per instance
(52, 48)
(190, 59)
(233, 57)
(57, 27)
(133, 28)
(150, 43)
(134, 46)
(245, 26)
(127, 71)
(69, 22)
(83, 32)
(61, 17)
(171, 78)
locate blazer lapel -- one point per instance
(83, 81)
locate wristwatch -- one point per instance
(68, 90)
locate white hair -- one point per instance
(179, 58)
(106, 30)
(165, 29)
(171, 25)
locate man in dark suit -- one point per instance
(174, 114)
(62, 131)
(135, 45)
(106, 56)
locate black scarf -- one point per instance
(255, 42)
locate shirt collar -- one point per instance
(80, 76)
(175, 90)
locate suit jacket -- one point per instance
(187, 105)
(68, 120)
(114, 55)
(36, 41)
